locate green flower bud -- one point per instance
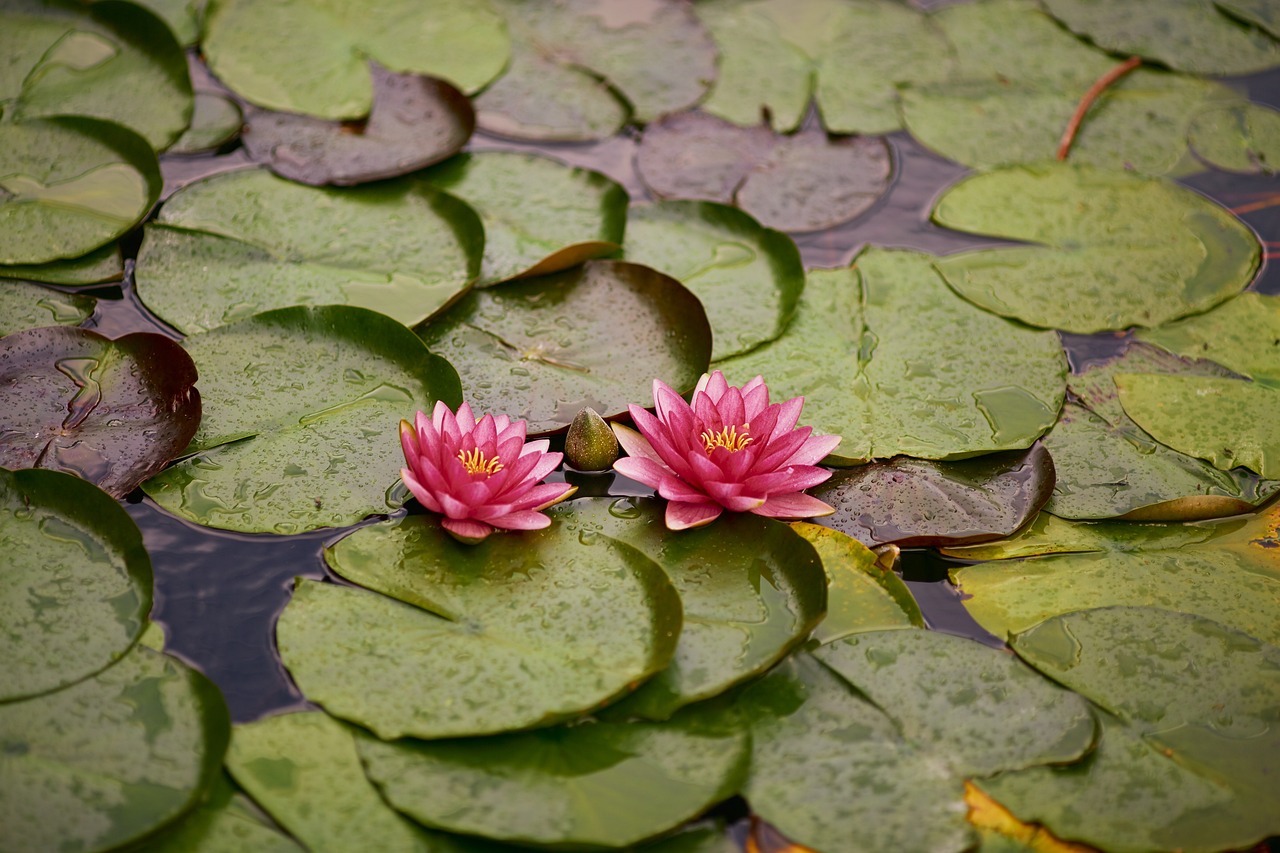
(590, 444)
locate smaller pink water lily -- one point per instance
(479, 473)
(731, 449)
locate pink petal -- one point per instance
(637, 445)
(452, 507)
(542, 496)
(466, 420)
(485, 432)
(716, 386)
(732, 411)
(797, 478)
(438, 415)
(675, 489)
(788, 415)
(797, 505)
(501, 422)
(665, 398)
(409, 441)
(514, 431)
(641, 470)
(419, 491)
(539, 446)
(528, 520)
(466, 529)
(450, 432)
(564, 495)
(815, 449)
(780, 451)
(706, 412)
(545, 465)
(682, 516)
(755, 396)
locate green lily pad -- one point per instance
(581, 68)
(101, 265)
(414, 122)
(1260, 13)
(539, 216)
(215, 122)
(77, 588)
(65, 58)
(914, 503)
(748, 277)
(888, 358)
(182, 17)
(28, 306)
(752, 590)
(108, 760)
(1241, 334)
(1191, 35)
(320, 69)
(1238, 138)
(224, 822)
(299, 428)
(396, 247)
(1223, 570)
(520, 630)
(594, 336)
(1130, 251)
(587, 786)
(70, 185)
(112, 412)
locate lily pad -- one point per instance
(594, 336)
(888, 358)
(1260, 13)
(182, 17)
(29, 306)
(1131, 251)
(101, 265)
(748, 277)
(70, 185)
(1238, 138)
(112, 412)
(321, 68)
(913, 503)
(113, 758)
(299, 429)
(215, 122)
(65, 58)
(518, 631)
(224, 822)
(539, 216)
(414, 122)
(586, 786)
(1242, 334)
(77, 584)
(396, 247)
(581, 68)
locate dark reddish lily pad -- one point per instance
(916, 503)
(111, 411)
(415, 121)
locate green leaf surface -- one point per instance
(1241, 334)
(112, 412)
(1238, 138)
(518, 631)
(321, 70)
(29, 306)
(101, 265)
(244, 242)
(110, 759)
(69, 185)
(539, 216)
(594, 336)
(1260, 13)
(748, 277)
(181, 16)
(77, 583)
(888, 358)
(225, 822)
(301, 407)
(215, 121)
(1113, 249)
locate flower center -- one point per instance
(477, 463)
(729, 438)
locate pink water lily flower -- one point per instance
(730, 450)
(479, 474)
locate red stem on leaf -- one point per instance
(1073, 127)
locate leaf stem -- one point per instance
(1073, 127)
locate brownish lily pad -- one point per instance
(112, 411)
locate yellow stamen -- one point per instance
(729, 438)
(476, 463)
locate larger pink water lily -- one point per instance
(479, 474)
(730, 450)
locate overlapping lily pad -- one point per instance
(539, 216)
(1260, 13)
(29, 306)
(224, 822)
(300, 421)
(101, 265)
(1113, 249)
(215, 121)
(247, 241)
(1238, 138)
(890, 359)
(594, 336)
(112, 412)
(321, 68)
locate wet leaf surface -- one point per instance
(1114, 249)
(876, 347)
(300, 420)
(539, 215)
(100, 265)
(215, 121)
(414, 122)
(396, 247)
(112, 412)
(77, 587)
(595, 336)
(520, 630)
(225, 822)
(914, 503)
(1238, 138)
(29, 306)
(1242, 334)
(1260, 13)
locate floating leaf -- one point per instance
(182, 17)
(225, 822)
(1115, 249)
(1238, 138)
(321, 70)
(539, 216)
(299, 430)
(236, 244)
(70, 185)
(28, 306)
(888, 358)
(913, 503)
(1260, 13)
(100, 265)
(112, 412)
(580, 68)
(1242, 334)
(414, 122)
(520, 630)
(1001, 832)
(110, 759)
(216, 121)
(77, 587)
(542, 349)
